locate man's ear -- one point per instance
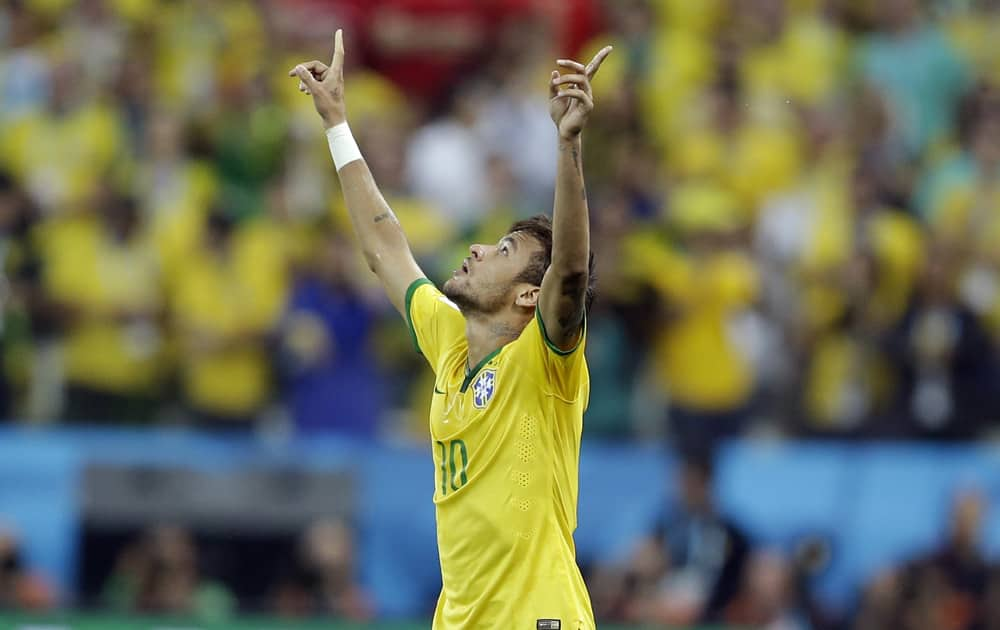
(527, 296)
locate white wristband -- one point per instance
(343, 148)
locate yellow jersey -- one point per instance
(506, 444)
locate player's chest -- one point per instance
(463, 399)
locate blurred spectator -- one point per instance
(913, 64)
(19, 267)
(333, 381)
(951, 588)
(322, 580)
(962, 564)
(767, 596)
(945, 373)
(691, 569)
(24, 68)
(446, 160)
(92, 24)
(514, 123)
(248, 136)
(159, 574)
(62, 152)
(225, 299)
(704, 289)
(971, 27)
(959, 197)
(856, 283)
(958, 193)
(178, 183)
(611, 342)
(879, 603)
(947, 195)
(20, 589)
(811, 557)
(103, 278)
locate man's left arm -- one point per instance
(562, 300)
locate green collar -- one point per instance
(471, 374)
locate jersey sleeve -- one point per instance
(563, 372)
(435, 322)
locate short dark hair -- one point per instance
(539, 227)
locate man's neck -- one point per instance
(487, 333)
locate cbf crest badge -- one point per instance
(483, 388)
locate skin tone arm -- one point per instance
(561, 301)
(381, 237)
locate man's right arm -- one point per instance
(379, 233)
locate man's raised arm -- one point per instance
(562, 299)
(382, 240)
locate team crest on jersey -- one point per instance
(483, 388)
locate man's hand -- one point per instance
(325, 83)
(571, 99)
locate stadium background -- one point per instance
(212, 416)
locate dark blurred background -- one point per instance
(210, 410)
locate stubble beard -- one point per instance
(471, 304)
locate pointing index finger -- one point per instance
(595, 63)
(337, 65)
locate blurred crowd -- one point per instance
(699, 566)
(795, 209)
(164, 571)
(792, 204)
(174, 246)
(695, 567)
(21, 588)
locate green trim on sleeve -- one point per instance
(553, 347)
(416, 284)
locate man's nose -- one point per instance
(477, 251)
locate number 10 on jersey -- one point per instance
(454, 462)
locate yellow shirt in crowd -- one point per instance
(100, 280)
(694, 354)
(222, 303)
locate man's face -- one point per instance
(485, 283)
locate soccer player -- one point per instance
(505, 338)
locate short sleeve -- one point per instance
(564, 372)
(435, 322)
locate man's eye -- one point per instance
(503, 250)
